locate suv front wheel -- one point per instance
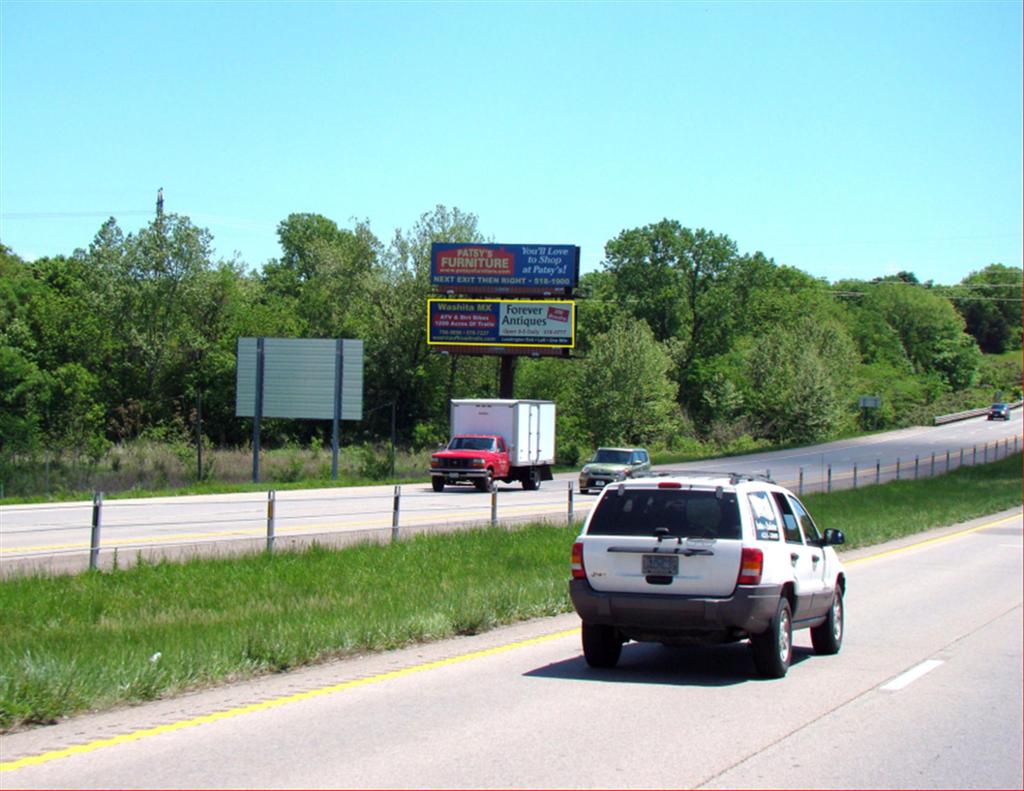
(601, 645)
(773, 648)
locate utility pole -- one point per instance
(160, 203)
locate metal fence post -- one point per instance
(768, 474)
(986, 453)
(800, 488)
(932, 473)
(854, 476)
(917, 464)
(974, 454)
(878, 471)
(271, 507)
(947, 461)
(897, 468)
(494, 507)
(829, 477)
(572, 509)
(94, 536)
(395, 512)
(1014, 449)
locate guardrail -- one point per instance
(965, 415)
(270, 522)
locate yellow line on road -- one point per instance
(134, 736)
(930, 541)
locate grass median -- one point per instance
(99, 639)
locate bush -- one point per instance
(568, 455)
(427, 436)
(375, 464)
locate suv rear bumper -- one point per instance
(642, 616)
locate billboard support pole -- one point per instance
(335, 428)
(258, 412)
(507, 376)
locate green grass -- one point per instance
(98, 639)
(875, 514)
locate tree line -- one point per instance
(680, 337)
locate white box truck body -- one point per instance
(525, 452)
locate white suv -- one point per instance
(697, 557)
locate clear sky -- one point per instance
(845, 139)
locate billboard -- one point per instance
(539, 269)
(301, 378)
(501, 322)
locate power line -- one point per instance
(70, 215)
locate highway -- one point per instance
(57, 536)
(926, 693)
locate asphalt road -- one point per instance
(926, 693)
(58, 536)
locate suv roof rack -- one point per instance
(734, 477)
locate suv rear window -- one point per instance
(686, 513)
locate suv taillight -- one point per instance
(578, 572)
(751, 566)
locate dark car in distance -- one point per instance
(999, 410)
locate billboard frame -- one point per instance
(498, 344)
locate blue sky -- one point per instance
(845, 139)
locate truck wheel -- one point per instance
(486, 484)
(601, 645)
(438, 484)
(773, 648)
(828, 638)
(532, 480)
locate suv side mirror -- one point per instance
(833, 537)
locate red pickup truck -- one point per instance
(497, 440)
(470, 457)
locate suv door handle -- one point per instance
(793, 556)
(815, 558)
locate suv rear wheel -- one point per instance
(828, 638)
(773, 648)
(601, 645)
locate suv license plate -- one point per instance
(661, 565)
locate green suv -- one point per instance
(613, 464)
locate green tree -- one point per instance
(20, 423)
(323, 271)
(990, 303)
(622, 391)
(930, 330)
(800, 375)
(666, 274)
(72, 416)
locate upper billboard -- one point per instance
(537, 269)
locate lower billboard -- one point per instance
(501, 322)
